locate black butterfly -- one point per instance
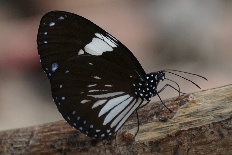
(96, 82)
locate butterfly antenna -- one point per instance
(183, 78)
(187, 73)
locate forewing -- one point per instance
(63, 36)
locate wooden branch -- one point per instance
(200, 124)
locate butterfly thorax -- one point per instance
(147, 88)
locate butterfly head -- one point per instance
(159, 76)
(147, 88)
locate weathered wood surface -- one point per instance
(200, 124)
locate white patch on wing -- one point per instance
(84, 101)
(97, 47)
(81, 52)
(110, 42)
(112, 103)
(99, 35)
(115, 122)
(96, 77)
(106, 39)
(96, 90)
(128, 114)
(54, 67)
(61, 18)
(52, 24)
(100, 44)
(112, 37)
(106, 95)
(116, 110)
(92, 85)
(98, 103)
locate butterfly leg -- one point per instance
(162, 101)
(168, 85)
(164, 87)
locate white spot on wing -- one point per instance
(96, 77)
(108, 85)
(54, 67)
(61, 18)
(116, 110)
(98, 103)
(92, 85)
(45, 33)
(106, 39)
(110, 42)
(107, 95)
(90, 63)
(96, 90)
(97, 47)
(84, 101)
(112, 103)
(112, 37)
(52, 24)
(81, 52)
(99, 35)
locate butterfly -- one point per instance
(96, 81)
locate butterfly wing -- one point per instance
(95, 101)
(63, 36)
(91, 73)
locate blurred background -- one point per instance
(193, 35)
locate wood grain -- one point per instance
(200, 124)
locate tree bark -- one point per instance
(201, 123)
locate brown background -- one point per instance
(194, 36)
